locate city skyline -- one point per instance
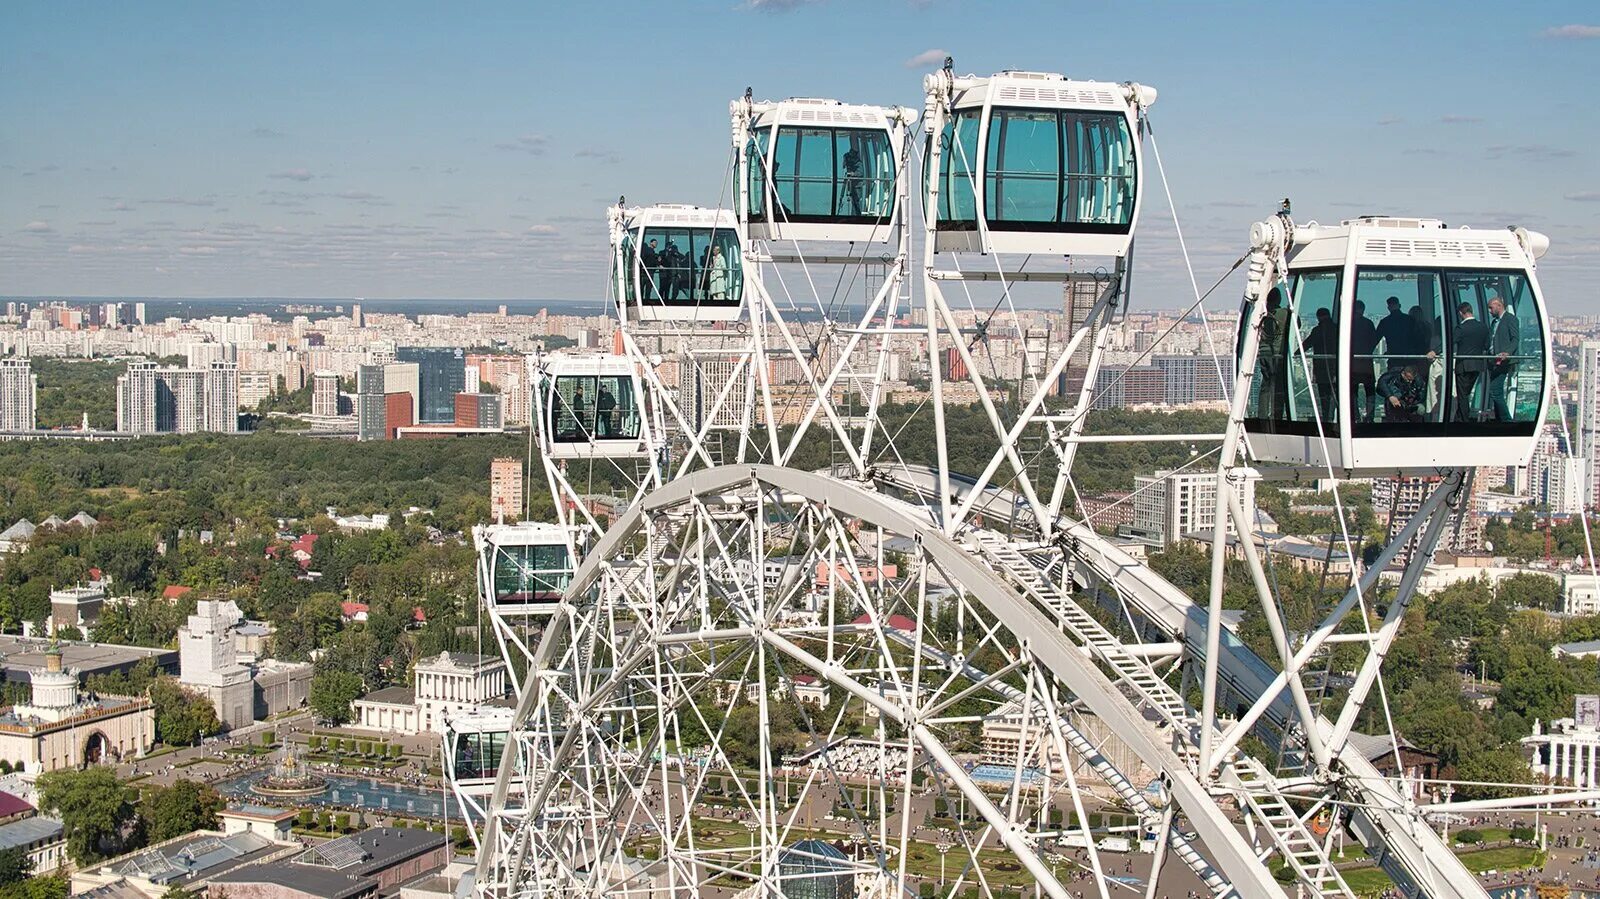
(302, 152)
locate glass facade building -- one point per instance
(441, 374)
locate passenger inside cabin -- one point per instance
(677, 272)
(718, 280)
(1272, 354)
(852, 180)
(1503, 341)
(1322, 345)
(1395, 332)
(580, 413)
(1471, 349)
(1402, 393)
(650, 258)
(605, 408)
(1363, 375)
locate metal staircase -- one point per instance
(1253, 784)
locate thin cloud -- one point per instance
(37, 227)
(605, 156)
(1391, 120)
(266, 133)
(532, 144)
(1528, 151)
(543, 230)
(933, 57)
(1573, 32)
(1459, 119)
(292, 175)
(182, 201)
(778, 5)
(1585, 196)
(361, 196)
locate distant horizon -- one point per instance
(603, 303)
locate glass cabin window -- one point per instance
(690, 267)
(958, 163)
(1023, 173)
(590, 407)
(1397, 323)
(1059, 168)
(1505, 363)
(1296, 376)
(756, 161)
(540, 572)
(477, 755)
(630, 257)
(1476, 366)
(831, 173)
(1311, 360)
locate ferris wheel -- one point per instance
(877, 676)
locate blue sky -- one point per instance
(468, 150)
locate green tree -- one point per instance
(95, 810)
(332, 692)
(1492, 765)
(182, 718)
(185, 806)
(45, 886)
(14, 865)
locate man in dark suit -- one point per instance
(1471, 348)
(1363, 343)
(650, 259)
(1503, 343)
(1271, 355)
(1395, 330)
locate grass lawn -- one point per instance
(1371, 881)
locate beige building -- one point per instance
(58, 728)
(209, 658)
(505, 490)
(443, 685)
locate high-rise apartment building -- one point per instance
(1556, 478)
(1588, 435)
(1078, 297)
(222, 397)
(701, 383)
(1396, 501)
(370, 411)
(19, 395)
(136, 398)
(256, 386)
(1172, 504)
(325, 393)
(505, 490)
(154, 400)
(441, 374)
(1193, 378)
(180, 400)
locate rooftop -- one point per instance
(13, 805)
(260, 812)
(20, 656)
(392, 696)
(341, 867)
(29, 832)
(200, 855)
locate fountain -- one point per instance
(290, 777)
